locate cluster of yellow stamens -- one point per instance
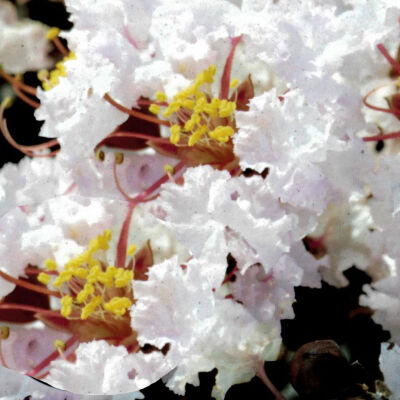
(52, 78)
(94, 280)
(199, 115)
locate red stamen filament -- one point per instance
(369, 105)
(142, 102)
(16, 82)
(264, 378)
(37, 271)
(135, 113)
(25, 98)
(28, 285)
(118, 183)
(389, 58)
(60, 47)
(26, 307)
(55, 354)
(27, 150)
(123, 239)
(141, 136)
(226, 75)
(376, 138)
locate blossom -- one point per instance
(201, 156)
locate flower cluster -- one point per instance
(203, 160)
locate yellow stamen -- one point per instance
(50, 264)
(52, 33)
(161, 97)
(5, 332)
(6, 103)
(131, 250)
(66, 306)
(169, 169)
(59, 344)
(155, 109)
(43, 278)
(118, 305)
(234, 83)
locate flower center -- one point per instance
(89, 287)
(197, 116)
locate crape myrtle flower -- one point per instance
(221, 144)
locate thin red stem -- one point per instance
(123, 239)
(43, 364)
(142, 102)
(118, 183)
(25, 98)
(226, 75)
(27, 150)
(264, 378)
(29, 286)
(16, 82)
(376, 138)
(385, 110)
(388, 57)
(60, 47)
(135, 113)
(37, 271)
(25, 307)
(141, 136)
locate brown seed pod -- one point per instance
(319, 370)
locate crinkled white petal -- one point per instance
(24, 46)
(101, 368)
(203, 332)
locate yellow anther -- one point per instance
(52, 33)
(59, 344)
(161, 97)
(200, 104)
(43, 74)
(226, 108)
(212, 108)
(188, 104)
(119, 157)
(169, 169)
(50, 264)
(91, 307)
(197, 135)
(5, 332)
(100, 155)
(58, 282)
(66, 306)
(94, 274)
(222, 133)
(234, 83)
(118, 305)
(123, 277)
(6, 103)
(87, 290)
(131, 250)
(43, 278)
(155, 108)
(192, 122)
(80, 273)
(175, 134)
